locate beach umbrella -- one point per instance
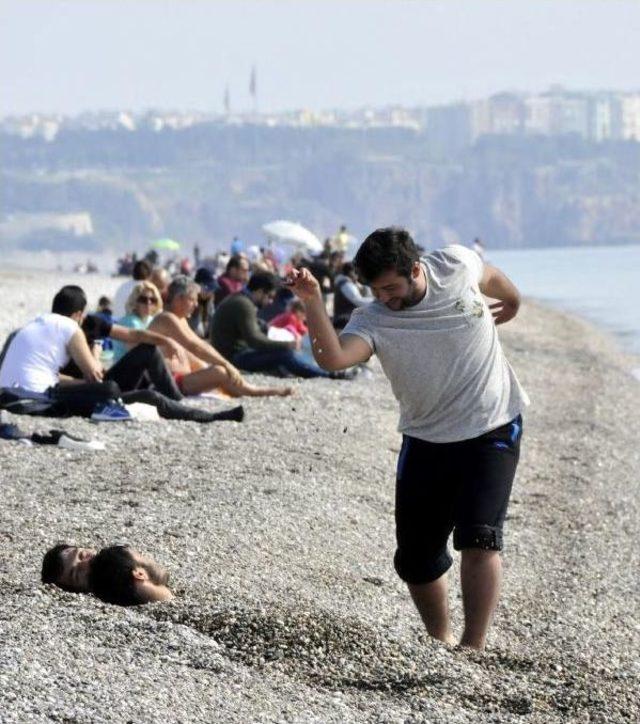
(288, 232)
(166, 245)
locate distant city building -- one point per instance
(597, 116)
(630, 113)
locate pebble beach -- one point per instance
(279, 536)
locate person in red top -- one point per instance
(294, 319)
(233, 280)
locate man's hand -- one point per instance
(304, 285)
(95, 374)
(234, 374)
(503, 311)
(496, 285)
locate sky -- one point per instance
(67, 56)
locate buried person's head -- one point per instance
(389, 262)
(67, 567)
(124, 577)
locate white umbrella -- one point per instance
(288, 232)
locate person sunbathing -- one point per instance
(116, 574)
(200, 367)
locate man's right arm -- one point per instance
(249, 329)
(81, 354)
(330, 351)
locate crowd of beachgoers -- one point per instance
(177, 330)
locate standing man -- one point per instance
(460, 405)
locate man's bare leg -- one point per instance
(481, 575)
(209, 378)
(432, 602)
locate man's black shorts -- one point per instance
(462, 487)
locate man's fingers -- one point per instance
(496, 305)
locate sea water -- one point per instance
(599, 283)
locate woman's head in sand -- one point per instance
(182, 296)
(144, 301)
(124, 577)
(67, 567)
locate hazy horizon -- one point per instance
(68, 57)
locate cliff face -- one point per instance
(209, 183)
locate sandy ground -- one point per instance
(279, 536)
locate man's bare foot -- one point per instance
(466, 644)
(286, 391)
(448, 639)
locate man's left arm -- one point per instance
(143, 336)
(496, 285)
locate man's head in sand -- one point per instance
(118, 574)
(388, 261)
(124, 577)
(67, 567)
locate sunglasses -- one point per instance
(146, 300)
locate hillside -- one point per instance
(207, 183)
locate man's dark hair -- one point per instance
(385, 249)
(111, 576)
(235, 262)
(142, 270)
(52, 565)
(262, 281)
(68, 300)
(347, 269)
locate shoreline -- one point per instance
(633, 357)
(279, 537)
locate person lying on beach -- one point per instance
(199, 367)
(117, 574)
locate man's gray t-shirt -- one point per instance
(443, 356)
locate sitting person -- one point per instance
(141, 270)
(36, 353)
(281, 300)
(200, 367)
(236, 332)
(201, 317)
(143, 304)
(293, 319)
(236, 275)
(104, 309)
(348, 295)
(116, 574)
(160, 279)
